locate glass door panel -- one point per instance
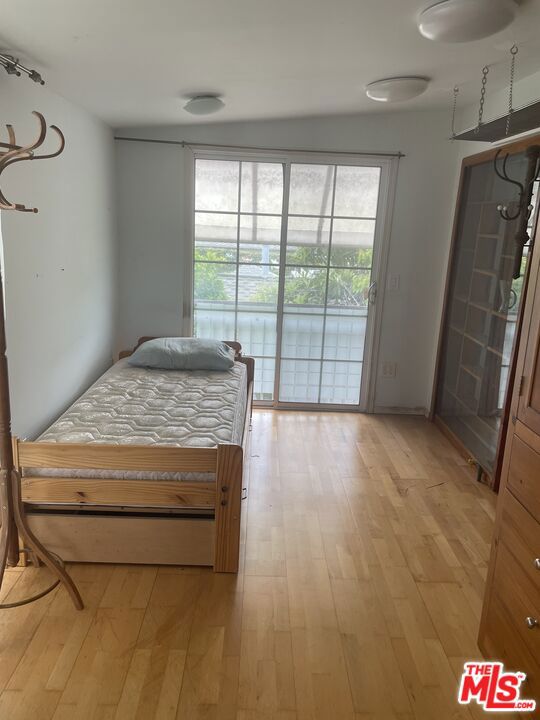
(238, 211)
(327, 273)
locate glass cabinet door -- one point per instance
(481, 310)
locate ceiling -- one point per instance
(132, 61)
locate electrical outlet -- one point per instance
(393, 283)
(388, 369)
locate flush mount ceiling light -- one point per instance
(456, 21)
(204, 105)
(396, 89)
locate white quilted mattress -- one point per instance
(139, 406)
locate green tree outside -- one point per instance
(208, 283)
(305, 284)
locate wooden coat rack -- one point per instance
(12, 514)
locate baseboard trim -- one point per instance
(399, 410)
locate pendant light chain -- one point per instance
(485, 71)
(513, 53)
(454, 107)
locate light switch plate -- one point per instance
(388, 369)
(394, 282)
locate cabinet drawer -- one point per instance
(519, 533)
(502, 643)
(521, 600)
(516, 581)
(524, 475)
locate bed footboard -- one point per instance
(223, 497)
(228, 507)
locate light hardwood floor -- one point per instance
(363, 564)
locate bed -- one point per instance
(147, 466)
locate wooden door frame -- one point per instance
(512, 148)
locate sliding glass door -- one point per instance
(327, 276)
(287, 256)
(238, 225)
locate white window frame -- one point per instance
(388, 165)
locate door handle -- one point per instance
(372, 293)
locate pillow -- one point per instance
(177, 353)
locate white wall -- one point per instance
(151, 184)
(152, 229)
(150, 192)
(60, 265)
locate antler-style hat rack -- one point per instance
(11, 153)
(524, 207)
(515, 121)
(13, 520)
(523, 210)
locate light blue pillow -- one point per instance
(176, 353)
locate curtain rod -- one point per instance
(184, 143)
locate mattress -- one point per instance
(140, 406)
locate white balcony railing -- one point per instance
(301, 347)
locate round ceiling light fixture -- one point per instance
(396, 89)
(204, 104)
(455, 21)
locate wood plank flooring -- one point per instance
(364, 554)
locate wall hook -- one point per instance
(524, 207)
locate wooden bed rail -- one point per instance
(224, 495)
(109, 491)
(101, 456)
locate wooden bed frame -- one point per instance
(140, 521)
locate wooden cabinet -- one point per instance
(524, 473)
(510, 628)
(528, 411)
